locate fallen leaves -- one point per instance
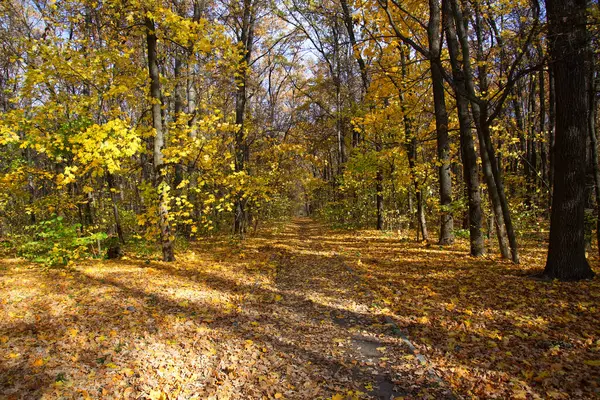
(304, 313)
(38, 362)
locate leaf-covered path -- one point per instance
(298, 312)
(324, 318)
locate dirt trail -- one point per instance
(326, 321)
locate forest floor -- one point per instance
(299, 312)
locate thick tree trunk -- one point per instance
(441, 124)
(467, 147)
(568, 38)
(159, 178)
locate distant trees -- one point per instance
(171, 119)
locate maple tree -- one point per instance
(316, 168)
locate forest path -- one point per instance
(323, 309)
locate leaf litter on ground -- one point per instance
(299, 312)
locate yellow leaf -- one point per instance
(278, 297)
(593, 363)
(157, 395)
(211, 351)
(127, 371)
(278, 396)
(112, 365)
(337, 397)
(38, 363)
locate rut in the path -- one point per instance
(326, 325)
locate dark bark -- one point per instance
(506, 235)
(568, 40)
(480, 123)
(242, 148)
(441, 124)
(467, 147)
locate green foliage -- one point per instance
(462, 233)
(52, 243)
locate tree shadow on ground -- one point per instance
(290, 313)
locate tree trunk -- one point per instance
(506, 236)
(411, 150)
(242, 149)
(348, 21)
(111, 188)
(441, 125)
(159, 178)
(467, 146)
(178, 109)
(568, 38)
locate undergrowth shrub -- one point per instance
(53, 243)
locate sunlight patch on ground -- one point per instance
(300, 312)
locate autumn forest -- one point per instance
(299, 199)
